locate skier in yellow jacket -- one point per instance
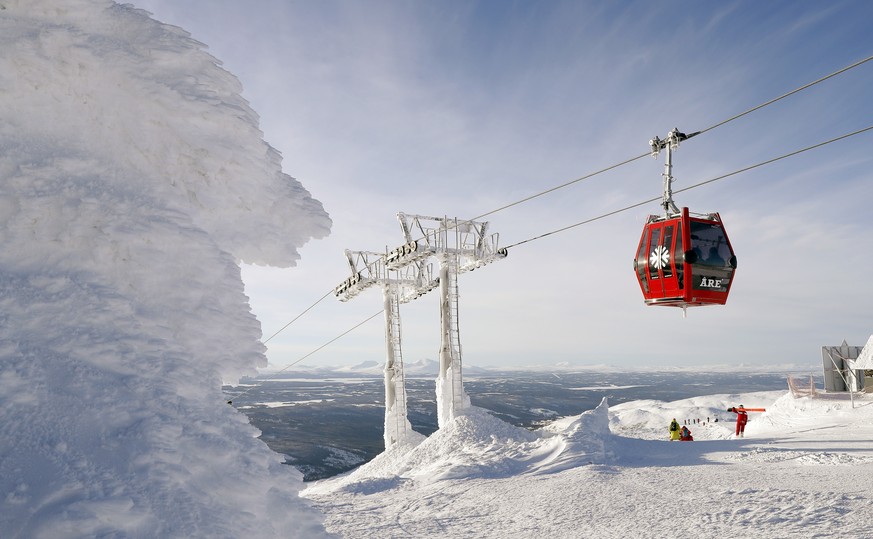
(674, 430)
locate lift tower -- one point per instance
(459, 246)
(399, 285)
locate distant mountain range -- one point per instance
(424, 368)
(429, 368)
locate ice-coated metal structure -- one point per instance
(399, 285)
(459, 246)
(404, 274)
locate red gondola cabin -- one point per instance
(685, 261)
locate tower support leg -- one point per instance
(451, 399)
(397, 426)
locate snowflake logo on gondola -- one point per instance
(660, 257)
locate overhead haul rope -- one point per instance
(710, 128)
(567, 184)
(792, 92)
(298, 316)
(625, 162)
(597, 218)
(696, 185)
(341, 335)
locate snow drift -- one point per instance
(612, 474)
(476, 445)
(133, 179)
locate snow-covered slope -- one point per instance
(801, 471)
(133, 179)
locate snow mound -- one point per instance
(134, 179)
(582, 439)
(477, 445)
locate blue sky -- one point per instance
(458, 108)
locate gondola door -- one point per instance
(659, 272)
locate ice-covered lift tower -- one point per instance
(399, 285)
(459, 246)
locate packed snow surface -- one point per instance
(801, 470)
(133, 180)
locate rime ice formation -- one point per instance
(133, 179)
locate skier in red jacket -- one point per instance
(742, 419)
(685, 435)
